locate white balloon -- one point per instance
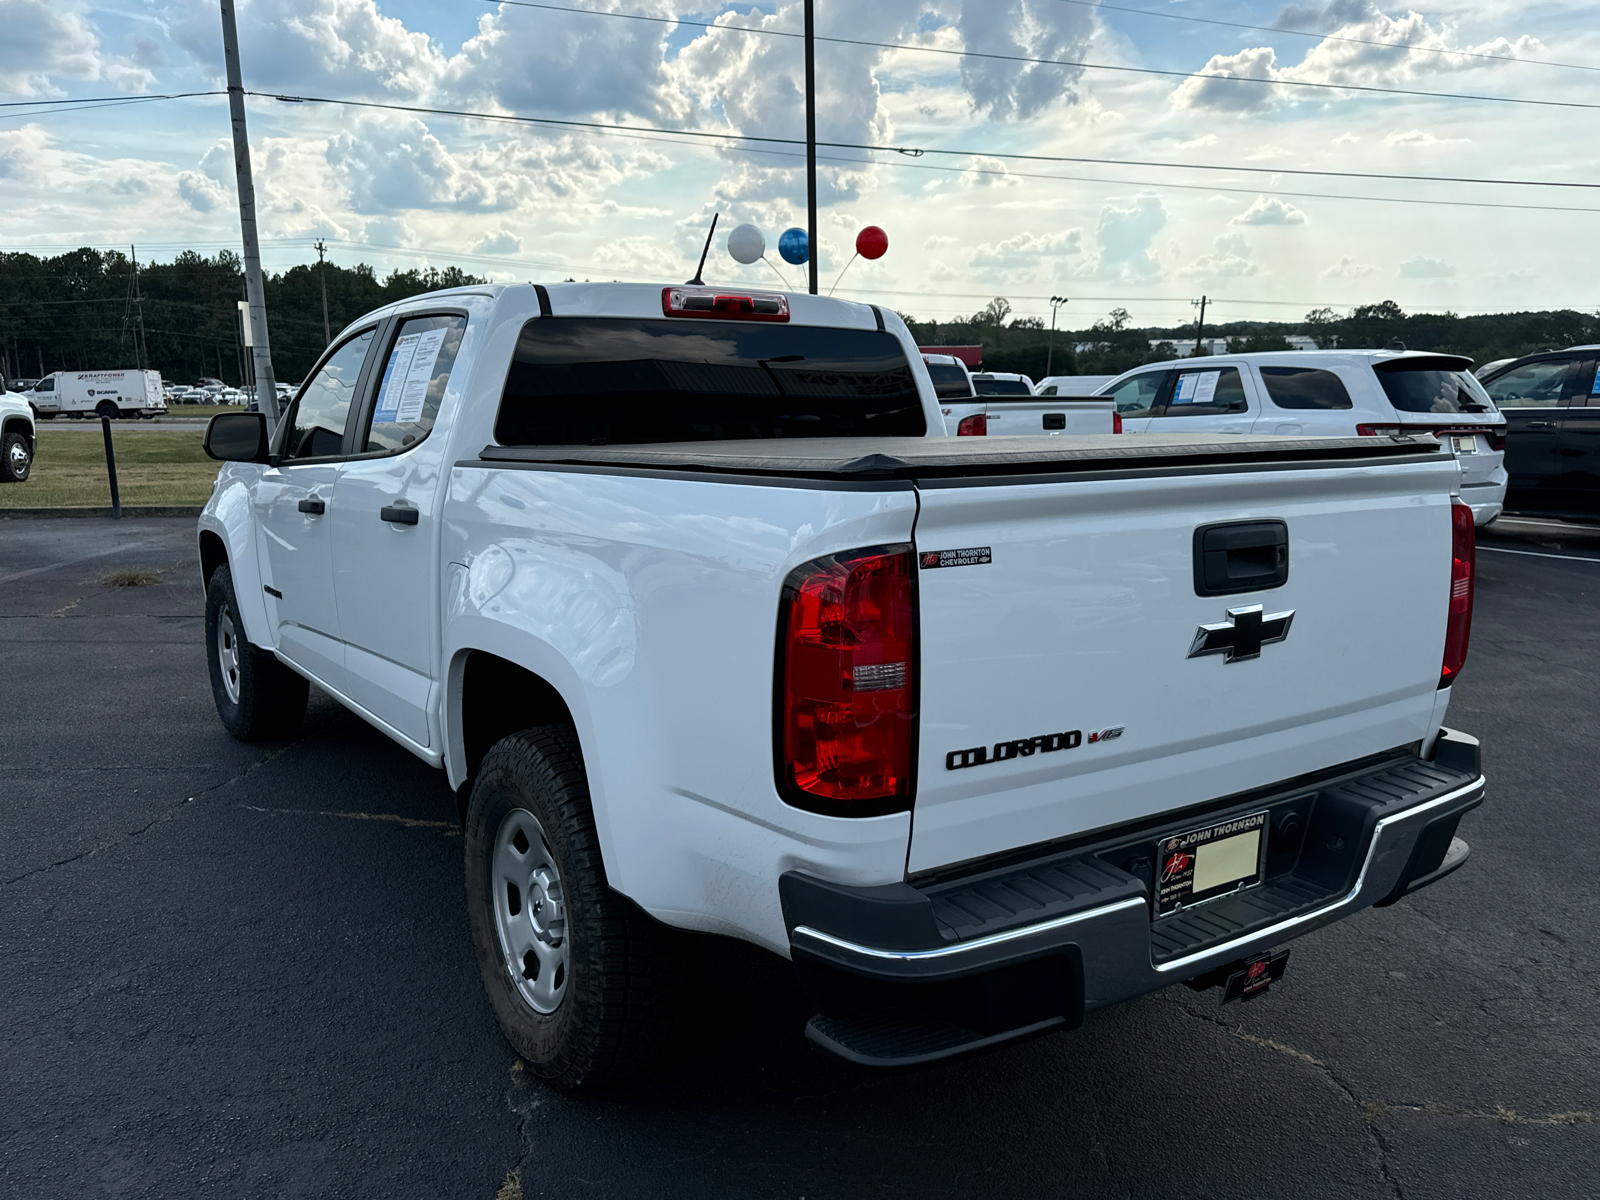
(746, 244)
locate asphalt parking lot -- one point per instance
(235, 970)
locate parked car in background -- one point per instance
(1071, 385)
(20, 385)
(131, 394)
(1551, 404)
(1327, 393)
(951, 380)
(1001, 383)
(17, 437)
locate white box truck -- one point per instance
(113, 394)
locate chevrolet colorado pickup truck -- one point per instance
(712, 629)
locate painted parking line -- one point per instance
(1539, 554)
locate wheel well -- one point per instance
(18, 425)
(498, 698)
(213, 554)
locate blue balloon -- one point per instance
(794, 246)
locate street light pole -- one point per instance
(255, 290)
(1050, 357)
(811, 145)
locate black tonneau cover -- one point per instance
(953, 457)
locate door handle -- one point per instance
(1540, 425)
(314, 506)
(399, 516)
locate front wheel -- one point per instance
(258, 698)
(16, 458)
(585, 986)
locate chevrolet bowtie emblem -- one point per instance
(1242, 635)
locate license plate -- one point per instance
(1467, 444)
(1203, 864)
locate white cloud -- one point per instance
(45, 42)
(1026, 28)
(504, 242)
(1426, 268)
(1419, 137)
(1269, 210)
(1230, 259)
(1348, 268)
(1026, 249)
(1126, 236)
(1354, 59)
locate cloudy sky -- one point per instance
(519, 201)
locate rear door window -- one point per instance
(594, 381)
(1206, 393)
(1429, 385)
(1304, 388)
(1533, 385)
(1003, 389)
(414, 380)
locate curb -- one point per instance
(128, 510)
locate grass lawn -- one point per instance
(69, 470)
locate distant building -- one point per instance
(971, 355)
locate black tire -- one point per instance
(271, 699)
(619, 1007)
(107, 409)
(16, 458)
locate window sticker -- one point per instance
(1197, 388)
(407, 377)
(1594, 388)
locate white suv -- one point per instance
(1327, 393)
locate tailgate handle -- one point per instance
(1055, 420)
(1240, 556)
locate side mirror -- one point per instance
(237, 437)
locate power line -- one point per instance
(1329, 37)
(1029, 60)
(725, 138)
(103, 99)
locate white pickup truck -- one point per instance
(712, 628)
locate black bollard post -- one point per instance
(111, 470)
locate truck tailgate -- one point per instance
(1067, 627)
(1047, 415)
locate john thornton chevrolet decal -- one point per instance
(972, 556)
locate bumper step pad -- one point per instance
(904, 1037)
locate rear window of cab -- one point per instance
(595, 381)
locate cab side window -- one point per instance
(1197, 393)
(1134, 397)
(1532, 385)
(45, 385)
(316, 427)
(414, 382)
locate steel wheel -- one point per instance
(228, 654)
(530, 912)
(17, 459)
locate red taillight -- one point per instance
(1463, 556)
(724, 306)
(846, 664)
(1116, 422)
(1377, 430)
(977, 425)
(1497, 437)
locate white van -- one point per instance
(1070, 385)
(1327, 393)
(113, 394)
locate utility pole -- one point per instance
(255, 290)
(1050, 358)
(1200, 325)
(327, 334)
(140, 346)
(811, 144)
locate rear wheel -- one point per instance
(585, 986)
(16, 458)
(107, 409)
(257, 697)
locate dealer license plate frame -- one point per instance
(1174, 878)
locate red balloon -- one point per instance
(872, 242)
